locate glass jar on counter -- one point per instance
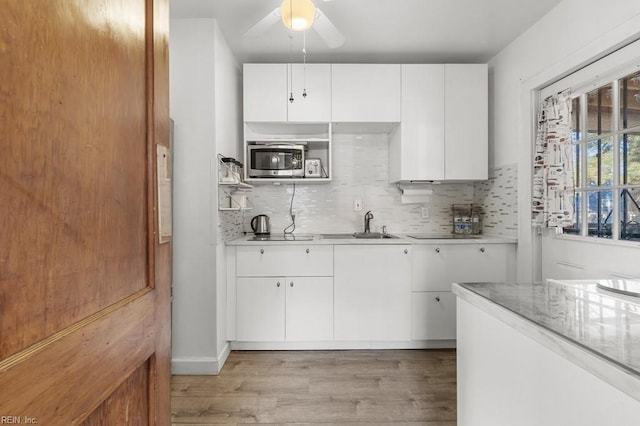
(226, 173)
(239, 170)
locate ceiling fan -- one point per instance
(299, 15)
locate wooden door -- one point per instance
(84, 281)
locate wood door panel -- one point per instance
(81, 365)
(84, 283)
(128, 405)
(74, 174)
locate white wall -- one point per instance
(204, 78)
(228, 99)
(570, 36)
(228, 141)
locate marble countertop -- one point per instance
(401, 239)
(601, 323)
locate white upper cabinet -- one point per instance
(267, 88)
(416, 149)
(265, 92)
(363, 93)
(466, 109)
(444, 130)
(316, 106)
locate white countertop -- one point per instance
(596, 329)
(313, 239)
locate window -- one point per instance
(606, 150)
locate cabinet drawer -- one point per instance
(272, 260)
(433, 315)
(436, 266)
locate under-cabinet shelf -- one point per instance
(234, 209)
(316, 138)
(278, 181)
(287, 140)
(236, 185)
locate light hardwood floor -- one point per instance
(380, 387)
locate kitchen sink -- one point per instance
(358, 235)
(337, 236)
(372, 235)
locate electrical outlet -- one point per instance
(357, 205)
(424, 213)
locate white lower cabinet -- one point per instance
(433, 315)
(309, 309)
(356, 294)
(436, 267)
(277, 309)
(260, 309)
(280, 260)
(372, 285)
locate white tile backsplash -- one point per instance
(360, 165)
(498, 197)
(230, 225)
(360, 171)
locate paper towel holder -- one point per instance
(410, 188)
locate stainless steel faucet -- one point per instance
(367, 217)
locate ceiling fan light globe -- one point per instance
(297, 15)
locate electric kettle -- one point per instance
(260, 224)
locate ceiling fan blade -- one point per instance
(327, 31)
(263, 25)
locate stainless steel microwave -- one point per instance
(279, 160)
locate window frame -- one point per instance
(608, 70)
(615, 135)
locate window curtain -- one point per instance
(553, 186)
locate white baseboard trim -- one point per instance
(207, 366)
(223, 355)
(335, 345)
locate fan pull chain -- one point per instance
(291, 98)
(304, 64)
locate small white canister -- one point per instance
(239, 200)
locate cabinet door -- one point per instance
(436, 266)
(309, 309)
(488, 263)
(372, 285)
(260, 309)
(265, 94)
(418, 152)
(466, 121)
(277, 260)
(316, 106)
(365, 92)
(433, 315)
